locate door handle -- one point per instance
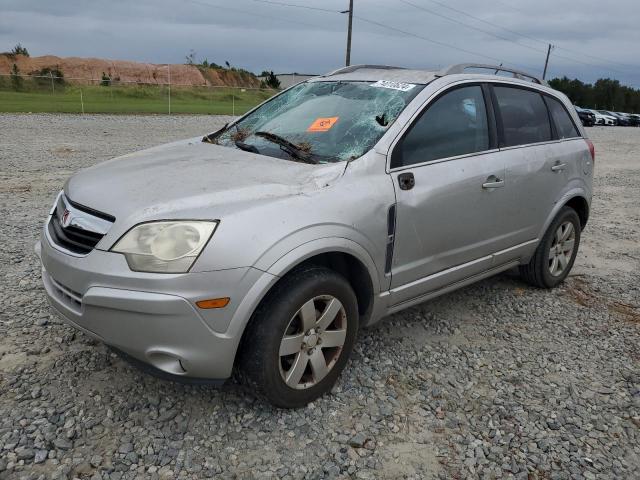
(493, 182)
(558, 167)
(406, 181)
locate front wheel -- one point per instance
(556, 252)
(300, 338)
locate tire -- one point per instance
(282, 325)
(538, 272)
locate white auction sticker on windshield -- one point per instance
(403, 87)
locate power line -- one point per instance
(500, 37)
(411, 34)
(244, 12)
(419, 7)
(462, 12)
(295, 5)
(437, 42)
(545, 42)
(595, 57)
(366, 20)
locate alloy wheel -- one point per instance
(562, 248)
(312, 342)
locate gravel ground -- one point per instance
(498, 380)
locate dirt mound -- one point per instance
(90, 70)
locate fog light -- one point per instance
(214, 303)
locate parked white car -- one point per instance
(606, 120)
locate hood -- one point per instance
(192, 179)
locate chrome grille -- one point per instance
(77, 229)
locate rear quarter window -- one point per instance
(565, 127)
(525, 118)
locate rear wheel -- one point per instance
(556, 252)
(300, 338)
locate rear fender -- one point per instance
(572, 193)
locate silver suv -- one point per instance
(263, 247)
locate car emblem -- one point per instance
(66, 218)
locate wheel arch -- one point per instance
(345, 257)
(350, 267)
(581, 206)
(341, 255)
(575, 198)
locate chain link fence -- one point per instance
(50, 93)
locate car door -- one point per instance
(451, 194)
(535, 164)
(526, 136)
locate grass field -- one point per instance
(129, 99)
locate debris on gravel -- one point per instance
(498, 380)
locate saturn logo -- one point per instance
(66, 218)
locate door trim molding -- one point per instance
(497, 262)
(451, 287)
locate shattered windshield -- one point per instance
(320, 122)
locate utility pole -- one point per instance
(169, 74)
(546, 62)
(350, 12)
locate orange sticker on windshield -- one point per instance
(322, 124)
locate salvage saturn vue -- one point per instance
(265, 246)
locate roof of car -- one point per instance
(393, 74)
(406, 75)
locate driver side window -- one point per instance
(455, 124)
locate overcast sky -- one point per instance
(594, 38)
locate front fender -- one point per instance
(321, 238)
(290, 260)
(325, 245)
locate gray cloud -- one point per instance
(258, 36)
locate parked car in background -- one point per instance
(620, 120)
(266, 246)
(635, 118)
(599, 119)
(633, 121)
(606, 120)
(587, 117)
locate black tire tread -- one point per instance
(251, 371)
(534, 272)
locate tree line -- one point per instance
(604, 94)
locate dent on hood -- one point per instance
(253, 194)
(190, 179)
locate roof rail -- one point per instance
(461, 67)
(353, 68)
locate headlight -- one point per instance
(165, 247)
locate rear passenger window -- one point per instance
(524, 116)
(564, 125)
(455, 124)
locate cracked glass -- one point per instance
(324, 121)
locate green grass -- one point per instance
(129, 99)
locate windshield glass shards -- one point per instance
(320, 122)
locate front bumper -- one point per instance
(153, 317)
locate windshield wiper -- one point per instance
(292, 149)
(246, 147)
(213, 137)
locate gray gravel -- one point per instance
(498, 380)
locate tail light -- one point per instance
(592, 150)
